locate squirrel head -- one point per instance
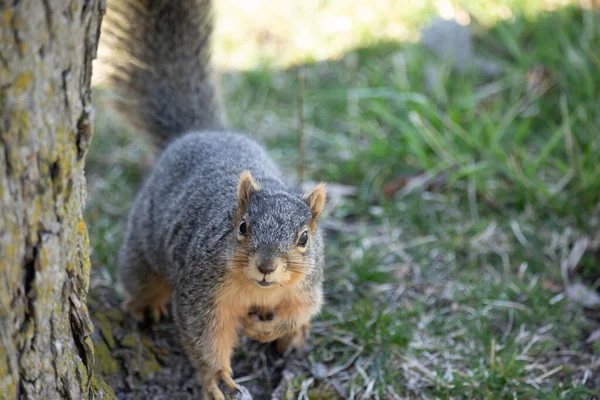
(277, 240)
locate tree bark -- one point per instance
(46, 52)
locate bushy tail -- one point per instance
(161, 65)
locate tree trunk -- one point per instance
(46, 52)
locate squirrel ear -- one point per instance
(246, 188)
(316, 201)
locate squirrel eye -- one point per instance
(243, 228)
(303, 239)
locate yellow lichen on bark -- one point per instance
(46, 53)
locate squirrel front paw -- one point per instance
(261, 315)
(260, 325)
(210, 384)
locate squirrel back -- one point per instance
(161, 66)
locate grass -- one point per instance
(447, 271)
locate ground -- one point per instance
(463, 257)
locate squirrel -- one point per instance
(216, 231)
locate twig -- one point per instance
(548, 374)
(304, 390)
(300, 126)
(346, 365)
(286, 377)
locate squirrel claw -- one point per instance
(139, 309)
(261, 315)
(211, 390)
(211, 386)
(228, 381)
(269, 316)
(159, 310)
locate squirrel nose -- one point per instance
(266, 267)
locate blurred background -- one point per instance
(461, 144)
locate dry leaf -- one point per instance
(430, 183)
(551, 286)
(578, 250)
(319, 371)
(395, 185)
(583, 295)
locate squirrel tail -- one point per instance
(161, 66)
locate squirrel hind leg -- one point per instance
(294, 340)
(152, 295)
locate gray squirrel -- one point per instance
(216, 229)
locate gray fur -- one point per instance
(161, 66)
(182, 225)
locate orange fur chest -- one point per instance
(239, 295)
